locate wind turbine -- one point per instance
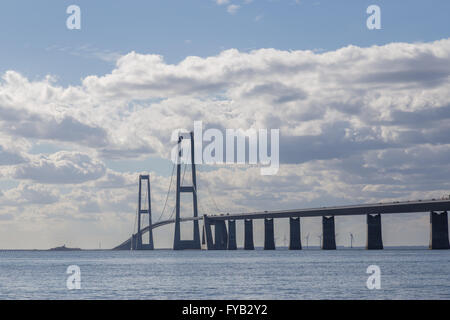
(275, 239)
(307, 240)
(335, 238)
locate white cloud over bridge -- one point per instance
(356, 125)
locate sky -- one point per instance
(363, 114)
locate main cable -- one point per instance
(168, 193)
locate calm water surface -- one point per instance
(280, 274)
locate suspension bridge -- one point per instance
(224, 225)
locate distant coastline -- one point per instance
(64, 248)
(314, 248)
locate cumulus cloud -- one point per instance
(30, 194)
(369, 96)
(61, 168)
(67, 129)
(356, 125)
(326, 105)
(9, 157)
(39, 110)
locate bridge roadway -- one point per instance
(352, 210)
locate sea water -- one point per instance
(259, 274)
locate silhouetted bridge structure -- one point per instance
(224, 237)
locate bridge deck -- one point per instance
(362, 209)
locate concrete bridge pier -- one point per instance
(248, 237)
(220, 235)
(439, 230)
(138, 241)
(232, 235)
(329, 236)
(220, 240)
(203, 243)
(295, 242)
(269, 236)
(374, 237)
(134, 242)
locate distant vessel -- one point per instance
(64, 248)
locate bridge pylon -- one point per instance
(329, 236)
(269, 235)
(295, 242)
(137, 242)
(439, 230)
(179, 244)
(232, 235)
(374, 234)
(248, 235)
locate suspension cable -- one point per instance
(168, 192)
(182, 180)
(214, 201)
(135, 221)
(211, 198)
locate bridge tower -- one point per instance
(137, 243)
(179, 244)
